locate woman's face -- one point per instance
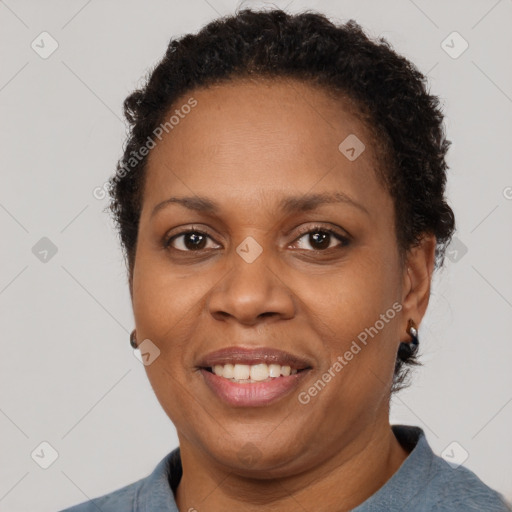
(267, 276)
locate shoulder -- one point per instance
(120, 500)
(153, 492)
(438, 485)
(458, 488)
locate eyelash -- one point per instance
(345, 241)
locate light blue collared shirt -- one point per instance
(423, 483)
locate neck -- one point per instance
(340, 482)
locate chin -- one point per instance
(255, 456)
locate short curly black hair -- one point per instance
(389, 92)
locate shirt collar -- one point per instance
(157, 490)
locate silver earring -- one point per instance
(411, 327)
(409, 348)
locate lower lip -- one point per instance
(252, 394)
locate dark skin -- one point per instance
(246, 146)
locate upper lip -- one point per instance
(251, 356)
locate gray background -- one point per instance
(68, 374)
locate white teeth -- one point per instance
(274, 370)
(285, 371)
(252, 373)
(259, 372)
(241, 371)
(229, 371)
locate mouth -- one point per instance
(243, 377)
(246, 374)
(253, 365)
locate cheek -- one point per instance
(358, 317)
(354, 296)
(161, 297)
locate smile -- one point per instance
(252, 377)
(244, 373)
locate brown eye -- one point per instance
(188, 241)
(320, 239)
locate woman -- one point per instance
(281, 206)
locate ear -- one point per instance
(417, 277)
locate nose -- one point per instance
(251, 293)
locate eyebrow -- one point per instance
(302, 203)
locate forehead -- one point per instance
(278, 113)
(263, 135)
